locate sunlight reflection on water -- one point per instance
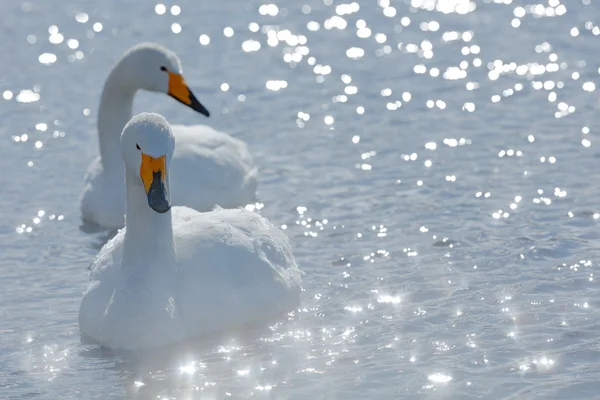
(432, 163)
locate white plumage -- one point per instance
(208, 168)
(169, 276)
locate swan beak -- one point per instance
(154, 176)
(180, 91)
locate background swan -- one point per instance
(209, 167)
(173, 274)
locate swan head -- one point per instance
(147, 145)
(157, 69)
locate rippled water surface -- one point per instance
(433, 162)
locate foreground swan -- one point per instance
(209, 167)
(173, 274)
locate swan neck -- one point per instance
(148, 234)
(116, 109)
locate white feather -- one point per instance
(209, 167)
(182, 274)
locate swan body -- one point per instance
(208, 167)
(175, 273)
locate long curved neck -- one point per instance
(116, 109)
(148, 235)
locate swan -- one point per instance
(173, 273)
(209, 167)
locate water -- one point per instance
(437, 183)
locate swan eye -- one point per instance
(137, 146)
(163, 69)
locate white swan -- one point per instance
(173, 274)
(209, 167)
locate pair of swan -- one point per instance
(175, 273)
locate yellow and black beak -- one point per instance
(154, 176)
(180, 91)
